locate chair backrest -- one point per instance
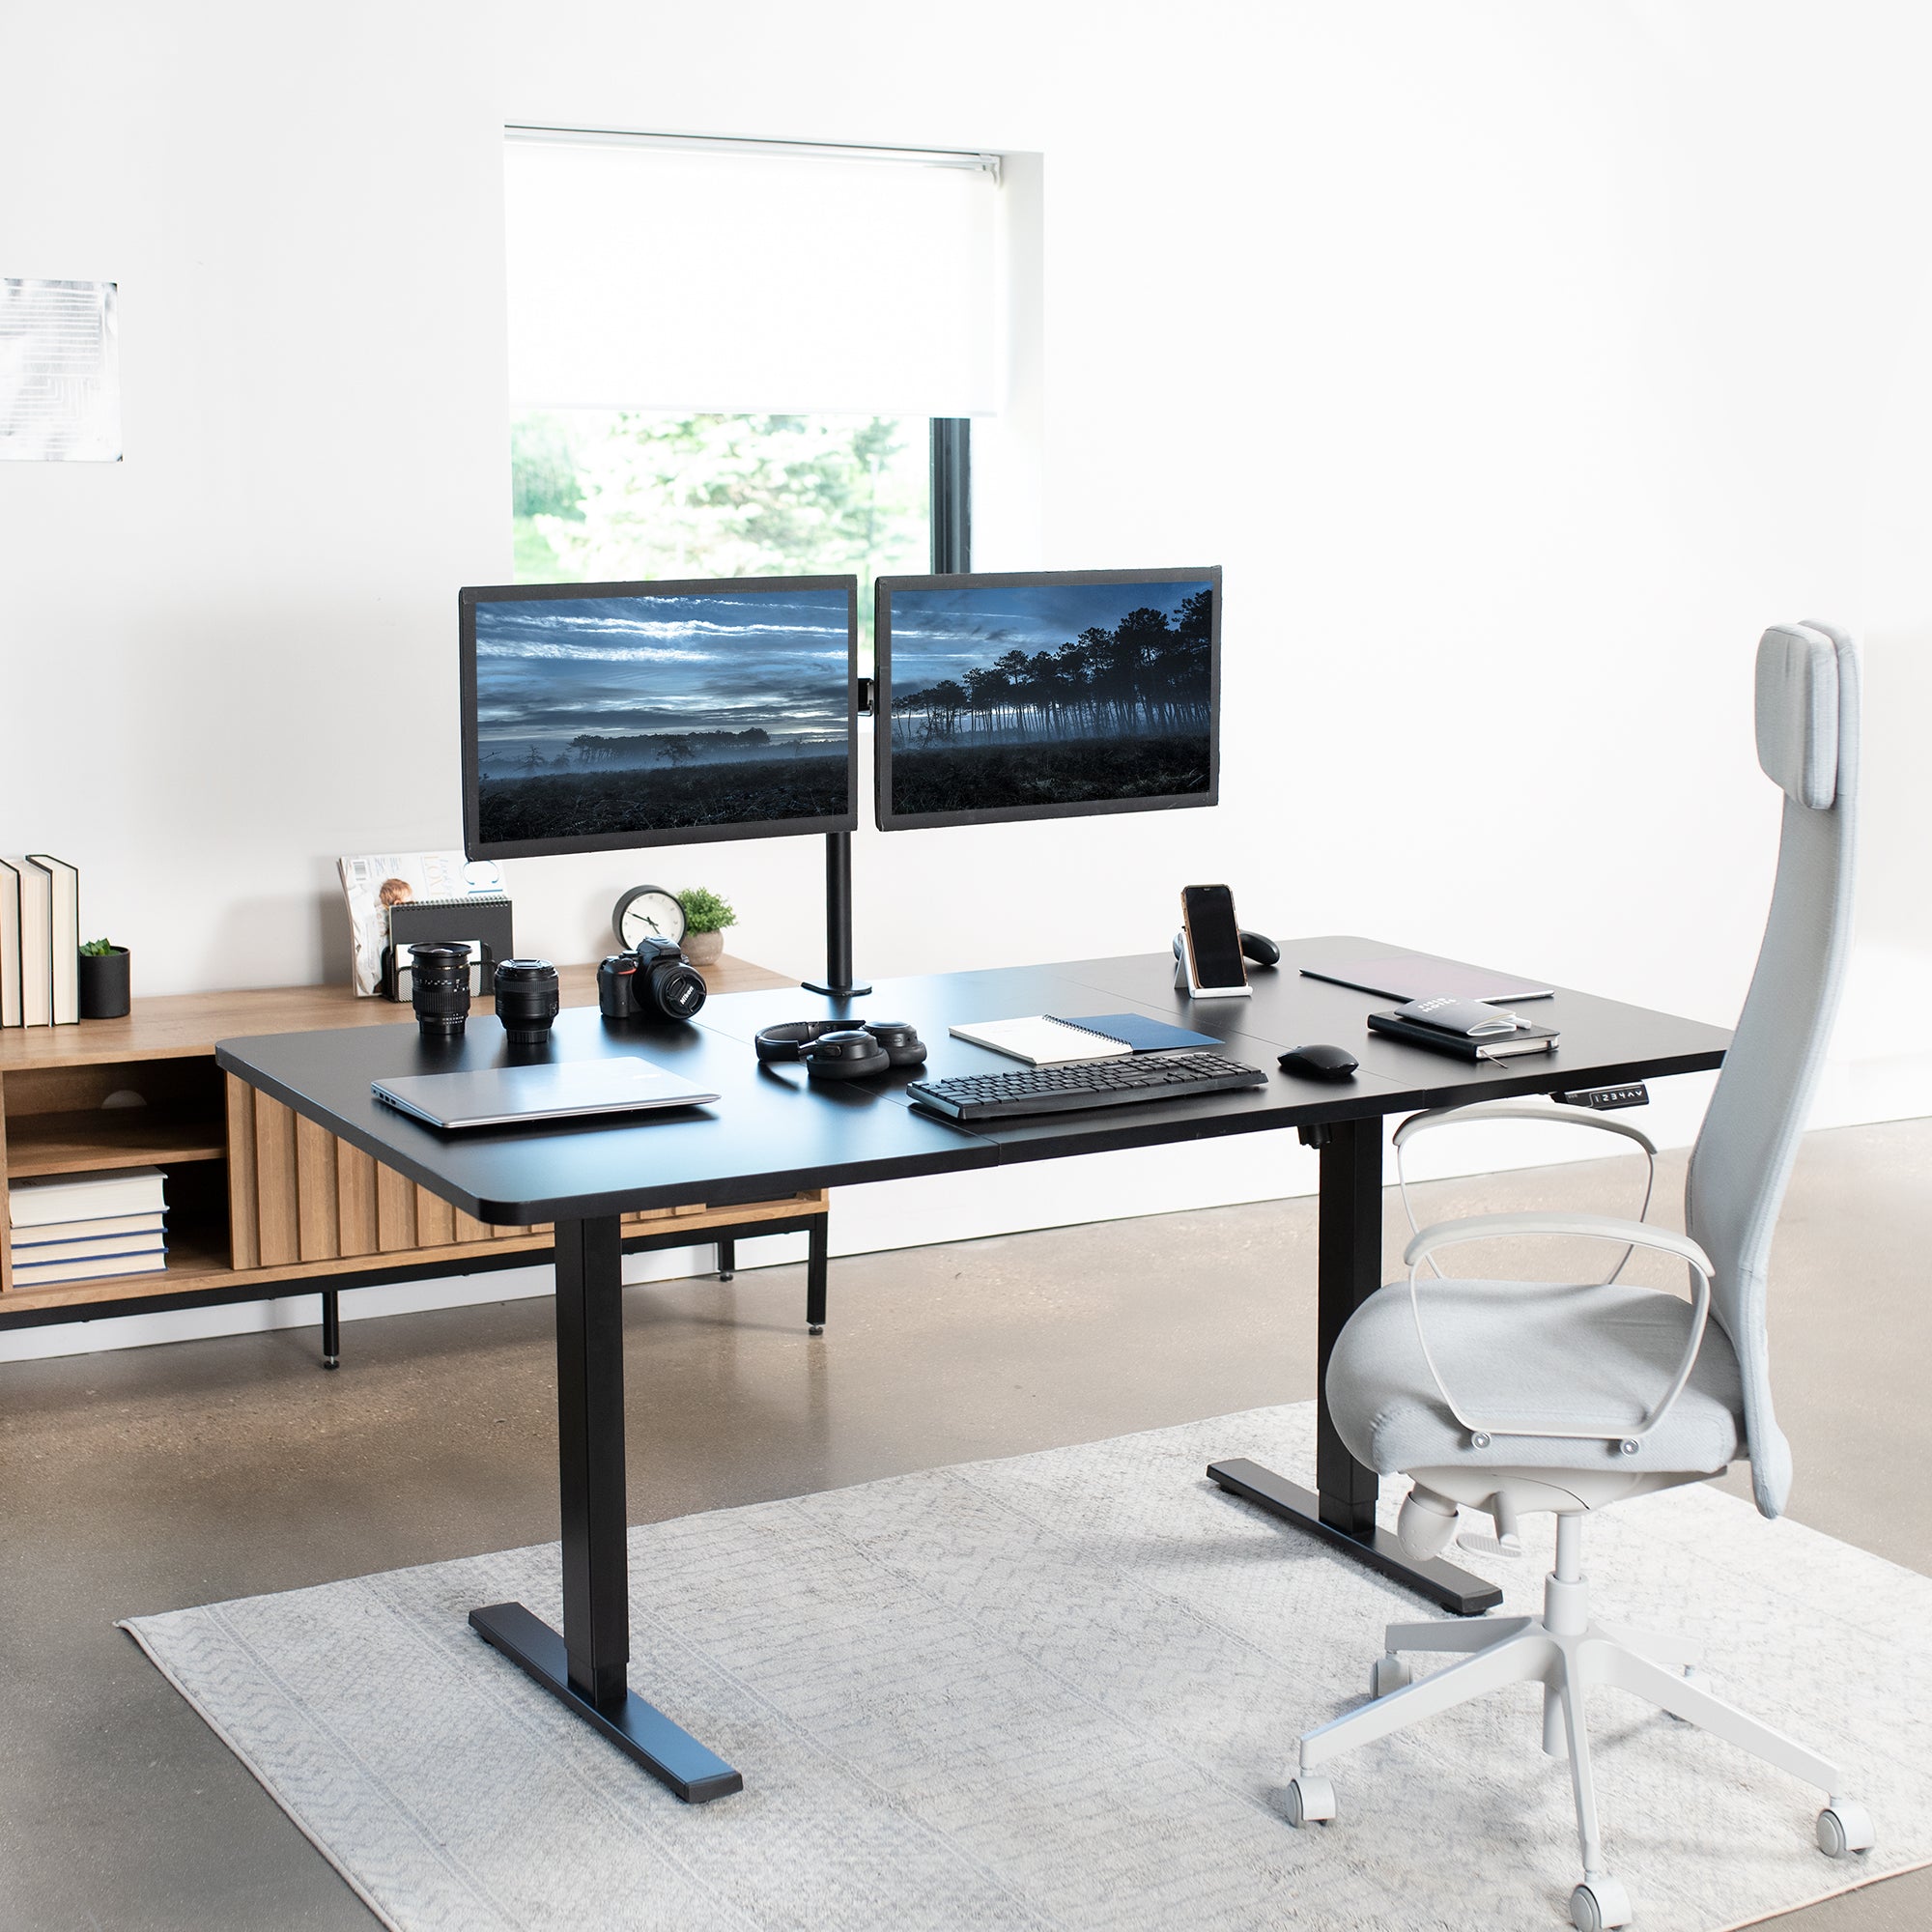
(1807, 742)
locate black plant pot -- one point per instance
(104, 984)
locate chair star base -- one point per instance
(1567, 1651)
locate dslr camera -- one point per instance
(654, 982)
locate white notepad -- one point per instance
(1042, 1041)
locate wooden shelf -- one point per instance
(113, 1137)
(198, 1256)
(261, 1197)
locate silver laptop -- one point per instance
(496, 1097)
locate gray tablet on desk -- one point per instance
(499, 1097)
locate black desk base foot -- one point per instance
(639, 1730)
(1442, 1583)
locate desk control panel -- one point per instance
(1095, 1083)
(1606, 1099)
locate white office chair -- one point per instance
(1513, 1397)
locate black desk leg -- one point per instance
(331, 1329)
(1341, 1510)
(585, 1666)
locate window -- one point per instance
(607, 493)
(744, 357)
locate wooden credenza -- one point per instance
(259, 1198)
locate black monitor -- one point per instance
(1046, 695)
(600, 716)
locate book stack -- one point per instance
(81, 1226)
(40, 942)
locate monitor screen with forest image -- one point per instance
(1046, 695)
(600, 716)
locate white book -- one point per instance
(43, 1275)
(86, 1197)
(1042, 1041)
(44, 1254)
(62, 935)
(49, 1234)
(10, 945)
(36, 958)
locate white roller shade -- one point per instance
(749, 277)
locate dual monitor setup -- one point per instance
(598, 717)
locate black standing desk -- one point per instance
(770, 1134)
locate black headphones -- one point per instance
(841, 1049)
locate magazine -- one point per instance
(375, 882)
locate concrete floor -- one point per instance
(171, 1476)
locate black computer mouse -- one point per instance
(1319, 1063)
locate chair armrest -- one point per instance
(1520, 1110)
(1600, 1226)
(1476, 1111)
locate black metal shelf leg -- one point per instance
(1340, 1509)
(585, 1668)
(331, 1329)
(727, 1259)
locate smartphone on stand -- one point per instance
(1211, 944)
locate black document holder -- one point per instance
(483, 921)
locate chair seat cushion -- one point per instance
(1517, 1355)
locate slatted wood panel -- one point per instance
(277, 1229)
(244, 1248)
(298, 1196)
(395, 1211)
(354, 1200)
(315, 1192)
(436, 1220)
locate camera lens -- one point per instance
(677, 989)
(439, 987)
(526, 1000)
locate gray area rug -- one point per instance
(1059, 1691)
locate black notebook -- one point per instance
(1494, 1047)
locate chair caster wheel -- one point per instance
(1598, 1904)
(1309, 1800)
(1389, 1675)
(1845, 1828)
(814, 1327)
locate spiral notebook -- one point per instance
(1044, 1040)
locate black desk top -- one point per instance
(770, 1134)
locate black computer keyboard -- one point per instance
(1095, 1083)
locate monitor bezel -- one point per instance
(467, 602)
(889, 820)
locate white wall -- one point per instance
(1519, 363)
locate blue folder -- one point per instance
(1137, 1030)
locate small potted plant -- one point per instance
(103, 980)
(705, 917)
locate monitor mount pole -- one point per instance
(951, 500)
(838, 983)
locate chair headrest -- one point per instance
(1798, 713)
